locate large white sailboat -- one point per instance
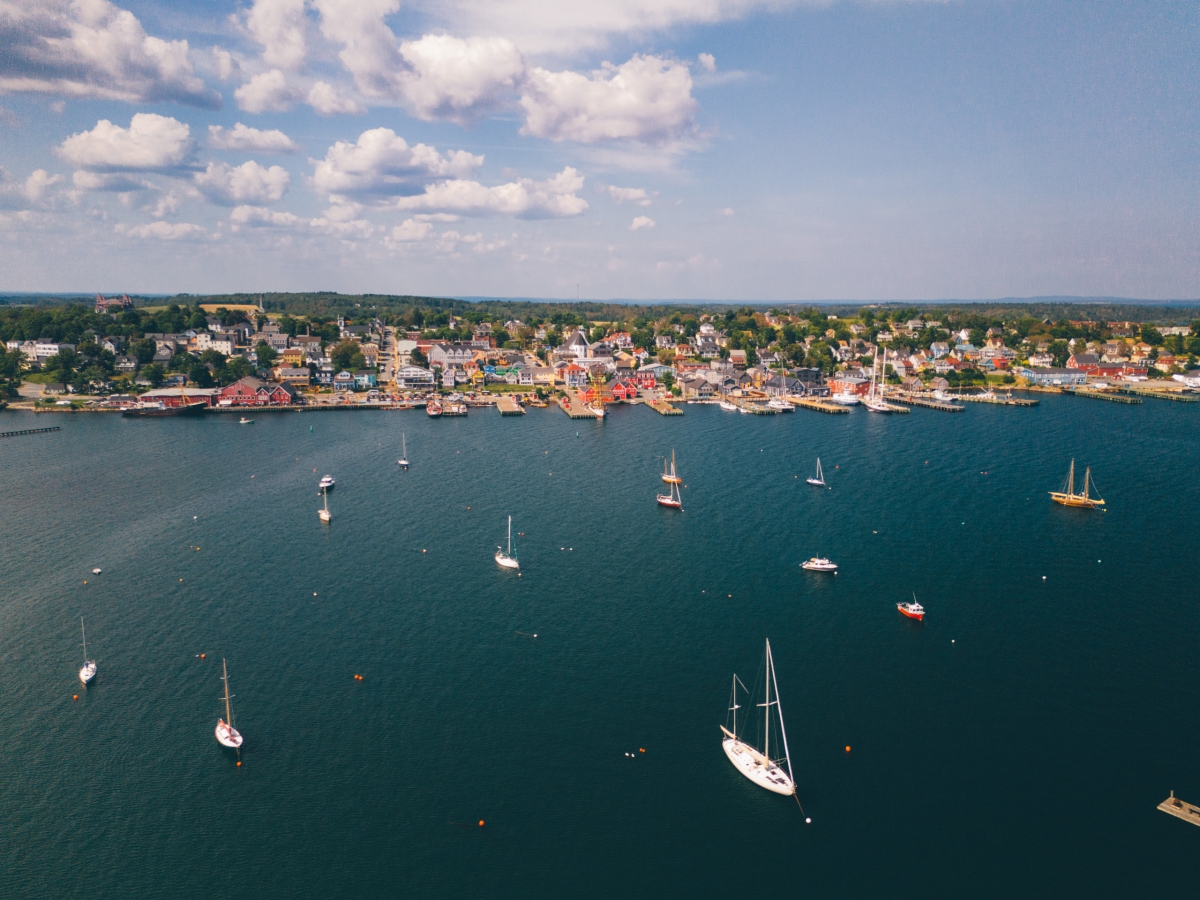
(324, 513)
(227, 735)
(88, 672)
(819, 480)
(755, 764)
(874, 402)
(403, 451)
(508, 560)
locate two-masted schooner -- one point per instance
(1068, 497)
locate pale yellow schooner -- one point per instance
(1070, 498)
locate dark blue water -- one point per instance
(1015, 743)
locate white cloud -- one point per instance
(150, 143)
(91, 48)
(115, 182)
(38, 183)
(457, 79)
(247, 183)
(620, 195)
(166, 205)
(411, 230)
(325, 99)
(260, 215)
(243, 137)
(267, 92)
(31, 192)
(647, 99)
(382, 162)
(708, 62)
(525, 198)
(279, 26)
(727, 211)
(226, 65)
(370, 51)
(334, 222)
(641, 222)
(163, 231)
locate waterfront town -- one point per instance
(116, 355)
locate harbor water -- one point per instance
(1015, 743)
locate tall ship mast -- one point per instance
(755, 764)
(1068, 497)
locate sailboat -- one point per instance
(669, 476)
(819, 480)
(325, 514)
(755, 764)
(672, 498)
(1070, 498)
(227, 735)
(88, 672)
(403, 451)
(872, 402)
(507, 560)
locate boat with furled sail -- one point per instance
(755, 764)
(88, 672)
(1068, 497)
(507, 560)
(227, 735)
(669, 475)
(819, 480)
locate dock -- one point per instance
(1110, 396)
(819, 405)
(4, 434)
(1181, 810)
(997, 401)
(664, 408)
(1177, 396)
(509, 407)
(929, 403)
(757, 409)
(573, 407)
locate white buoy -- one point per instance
(1043, 578)
(808, 821)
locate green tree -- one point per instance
(143, 351)
(1152, 335)
(236, 367)
(1061, 353)
(266, 355)
(418, 358)
(199, 375)
(347, 355)
(154, 374)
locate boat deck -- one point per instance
(1181, 810)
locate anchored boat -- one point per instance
(227, 735)
(403, 451)
(1068, 497)
(669, 475)
(672, 498)
(507, 559)
(88, 672)
(819, 480)
(819, 564)
(913, 610)
(755, 764)
(325, 515)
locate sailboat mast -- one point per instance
(83, 631)
(767, 708)
(510, 535)
(225, 678)
(1087, 474)
(782, 731)
(1071, 479)
(735, 704)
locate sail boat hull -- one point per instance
(87, 673)
(758, 768)
(1075, 500)
(227, 735)
(506, 561)
(669, 501)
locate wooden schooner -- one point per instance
(1070, 498)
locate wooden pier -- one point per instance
(509, 407)
(1177, 396)
(1181, 810)
(997, 401)
(4, 434)
(930, 403)
(664, 408)
(819, 405)
(573, 407)
(1110, 396)
(757, 409)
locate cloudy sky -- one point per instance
(708, 149)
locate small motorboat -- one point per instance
(728, 406)
(820, 564)
(244, 421)
(433, 408)
(845, 398)
(913, 610)
(326, 483)
(95, 571)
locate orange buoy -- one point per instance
(239, 763)
(76, 697)
(847, 748)
(202, 655)
(85, 582)
(481, 823)
(641, 749)
(180, 580)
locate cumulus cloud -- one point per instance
(381, 162)
(528, 199)
(325, 100)
(31, 192)
(338, 221)
(641, 222)
(411, 230)
(708, 62)
(163, 231)
(280, 27)
(370, 51)
(226, 65)
(456, 79)
(247, 183)
(91, 48)
(619, 195)
(727, 211)
(150, 143)
(267, 92)
(647, 99)
(243, 137)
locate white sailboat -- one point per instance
(875, 402)
(325, 514)
(758, 765)
(227, 735)
(403, 451)
(507, 560)
(88, 672)
(819, 480)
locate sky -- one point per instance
(758, 150)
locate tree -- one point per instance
(1061, 353)
(418, 358)
(266, 355)
(143, 351)
(236, 367)
(1152, 335)
(154, 374)
(199, 375)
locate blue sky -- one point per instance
(706, 149)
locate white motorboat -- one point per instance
(728, 406)
(755, 764)
(244, 421)
(403, 451)
(95, 571)
(507, 559)
(780, 405)
(326, 483)
(88, 672)
(845, 398)
(819, 564)
(819, 479)
(324, 513)
(227, 735)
